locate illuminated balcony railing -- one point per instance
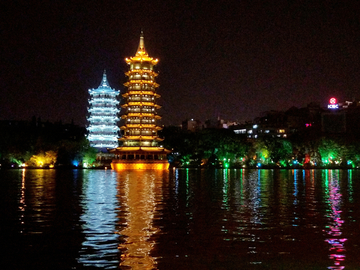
(103, 100)
(103, 111)
(131, 95)
(135, 115)
(102, 117)
(140, 103)
(139, 137)
(142, 71)
(140, 82)
(133, 125)
(103, 130)
(139, 114)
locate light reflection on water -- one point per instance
(99, 220)
(181, 219)
(141, 192)
(337, 249)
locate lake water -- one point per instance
(180, 219)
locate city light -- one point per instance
(333, 103)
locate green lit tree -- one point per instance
(331, 152)
(280, 151)
(258, 153)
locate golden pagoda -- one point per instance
(140, 142)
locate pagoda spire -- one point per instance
(104, 82)
(141, 49)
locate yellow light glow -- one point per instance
(139, 166)
(141, 71)
(140, 114)
(130, 148)
(132, 93)
(138, 103)
(140, 225)
(140, 138)
(133, 125)
(154, 149)
(141, 81)
(141, 58)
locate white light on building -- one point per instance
(103, 116)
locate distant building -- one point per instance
(256, 131)
(341, 117)
(282, 124)
(219, 123)
(336, 119)
(103, 130)
(333, 122)
(191, 125)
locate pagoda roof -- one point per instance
(141, 54)
(104, 86)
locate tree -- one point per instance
(330, 151)
(43, 159)
(280, 150)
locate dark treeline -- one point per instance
(39, 143)
(224, 148)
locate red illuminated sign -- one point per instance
(332, 100)
(333, 103)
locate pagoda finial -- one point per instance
(141, 48)
(104, 82)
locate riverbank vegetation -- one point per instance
(44, 145)
(38, 144)
(223, 148)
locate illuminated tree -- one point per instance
(43, 159)
(232, 149)
(259, 153)
(280, 151)
(331, 152)
(89, 156)
(76, 152)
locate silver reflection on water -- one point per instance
(99, 220)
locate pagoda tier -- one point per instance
(140, 130)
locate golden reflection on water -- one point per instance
(37, 194)
(141, 188)
(22, 202)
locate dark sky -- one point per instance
(233, 59)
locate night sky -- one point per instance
(233, 59)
